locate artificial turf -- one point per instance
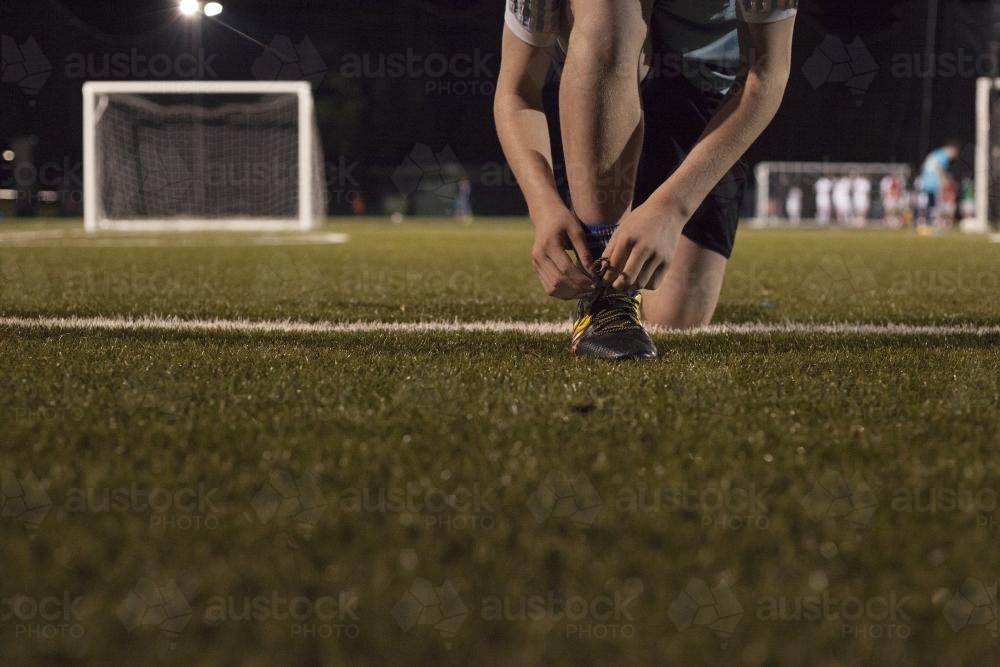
(746, 499)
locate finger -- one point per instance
(617, 254)
(633, 267)
(578, 239)
(567, 273)
(545, 274)
(658, 275)
(565, 278)
(645, 274)
(566, 266)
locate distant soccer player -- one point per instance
(462, 209)
(932, 176)
(947, 203)
(842, 200)
(891, 191)
(671, 144)
(861, 196)
(824, 201)
(793, 205)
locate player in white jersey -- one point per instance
(793, 205)
(824, 203)
(861, 195)
(653, 151)
(842, 200)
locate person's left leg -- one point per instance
(689, 293)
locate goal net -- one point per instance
(201, 156)
(828, 193)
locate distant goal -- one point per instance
(825, 192)
(187, 156)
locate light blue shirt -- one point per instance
(937, 160)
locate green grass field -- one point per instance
(814, 497)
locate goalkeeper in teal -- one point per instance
(934, 173)
(656, 103)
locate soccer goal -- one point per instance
(186, 156)
(987, 152)
(788, 192)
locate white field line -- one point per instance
(172, 324)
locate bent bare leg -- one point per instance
(600, 105)
(689, 293)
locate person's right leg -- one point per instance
(600, 107)
(600, 114)
(690, 291)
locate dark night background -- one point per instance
(376, 120)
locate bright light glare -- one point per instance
(190, 7)
(9, 156)
(213, 9)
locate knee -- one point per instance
(676, 312)
(610, 33)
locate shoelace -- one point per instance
(610, 309)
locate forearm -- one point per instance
(743, 117)
(524, 136)
(766, 52)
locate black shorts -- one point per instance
(677, 114)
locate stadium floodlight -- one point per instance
(189, 7)
(213, 9)
(236, 155)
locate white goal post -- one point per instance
(189, 156)
(987, 150)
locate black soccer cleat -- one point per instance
(609, 323)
